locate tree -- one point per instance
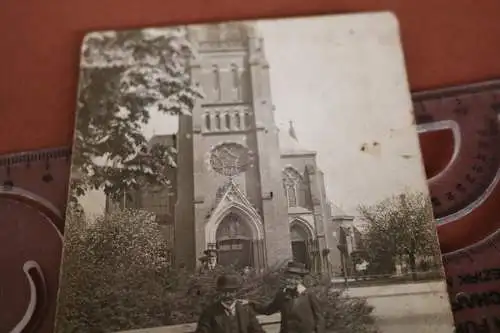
(400, 227)
(124, 76)
(115, 274)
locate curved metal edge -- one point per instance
(473, 205)
(8, 191)
(467, 249)
(457, 137)
(456, 91)
(455, 128)
(34, 300)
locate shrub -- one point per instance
(116, 276)
(342, 314)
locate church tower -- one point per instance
(229, 181)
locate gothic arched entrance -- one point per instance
(300, 238)
(234, 241)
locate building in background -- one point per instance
(349, 239)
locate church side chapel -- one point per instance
(242, 187)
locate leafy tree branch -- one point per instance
(124, 77)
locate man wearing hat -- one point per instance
(300, 309)
(212, 258)
(228, 314)
(208, 260)
(203, 264)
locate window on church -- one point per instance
(230, 159)
(235, 81)
(247, 120)
(216, 82)
(291, 182)
(207, 122)
(291, 195)
(237, 119)
(217, 121)
(227, 118)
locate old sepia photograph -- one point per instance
(253, 176)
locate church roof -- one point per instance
(337, 213)
(289, 144)
(163, 139)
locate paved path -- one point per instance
(409, 307)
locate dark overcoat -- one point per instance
(300, 314)
(215, 320)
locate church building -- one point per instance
(245, 187)
(242, 186)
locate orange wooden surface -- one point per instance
(445, 42)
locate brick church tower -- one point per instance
(229, 181)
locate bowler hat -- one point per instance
(296, 268)
(210, 253)
(228, 282)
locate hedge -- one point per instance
(116, 276)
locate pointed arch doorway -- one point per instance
(300, 239)
(234, 241)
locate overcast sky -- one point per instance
(342, 81)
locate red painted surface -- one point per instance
(445, 43)
(438, 148)
(23, 229)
